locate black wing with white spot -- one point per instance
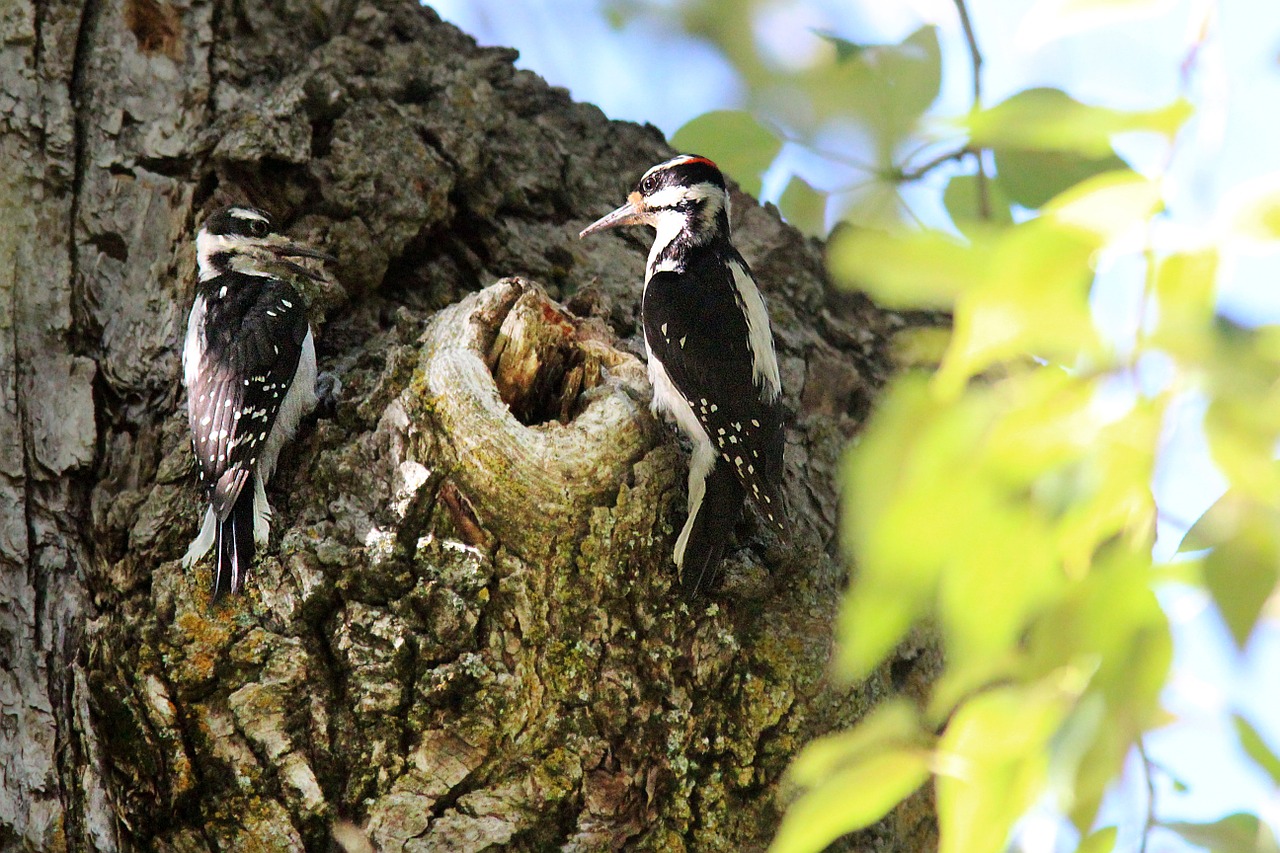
(254, 328)
(696, 329)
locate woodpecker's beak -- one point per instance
(631, 213)
(282, 248)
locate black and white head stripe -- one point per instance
(229, 238)
(243, 239)
(687, 170)
(239, 220)
(690, 186)
(683, 198)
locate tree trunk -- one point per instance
(466, 631)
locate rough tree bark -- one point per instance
(465, 633)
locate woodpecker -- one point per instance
(249, 367)
(711, 356)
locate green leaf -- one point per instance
(920, 269)
(906, 475)
(853, 778)
(893, 724)
(886, 87)
(873, 619)
(1048, 422)
(993, 762)
(1051, 120)
(1185, 288)
(853, 797)
(1242, 425)
(1106, 206)
(742, 146)
(1112, 619)
(964, 202)
(1256, 748)
(618, 14)
(919, 347)
(1006, 556)
(913, 74)
(1108, 630)
(804, 207)
(1217, 524)
(1236, 833)
(1101, 841)
(1087, 753)
(1109, 495)
(1242, 572)
(1003, 318)
(1040, 421)
(845, 49)
(1032, 177)
(875, 204)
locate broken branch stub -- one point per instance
(540, 418)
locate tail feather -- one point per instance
(706, 533)
(204, 541)
(235, 547)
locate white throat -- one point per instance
(208, 245)
(668, 224)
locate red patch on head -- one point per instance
(701, 160)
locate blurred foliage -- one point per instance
(742, 145)
(858, 108)
(1237, 832)
(1003, 497)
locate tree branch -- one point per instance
(904, 175)
(975, 58)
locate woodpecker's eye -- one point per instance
(258, 228)
(648, 185)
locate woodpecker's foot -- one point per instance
(328, 390)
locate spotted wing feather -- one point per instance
(244, 373)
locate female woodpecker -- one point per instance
(249, 366)
(711, 356)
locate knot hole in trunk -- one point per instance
(543, 359)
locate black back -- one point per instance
(254, 330)
(695, 327)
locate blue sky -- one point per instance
(647, 72)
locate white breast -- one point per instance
(298, 401)
(668, 226)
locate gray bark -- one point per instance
(466, 632)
